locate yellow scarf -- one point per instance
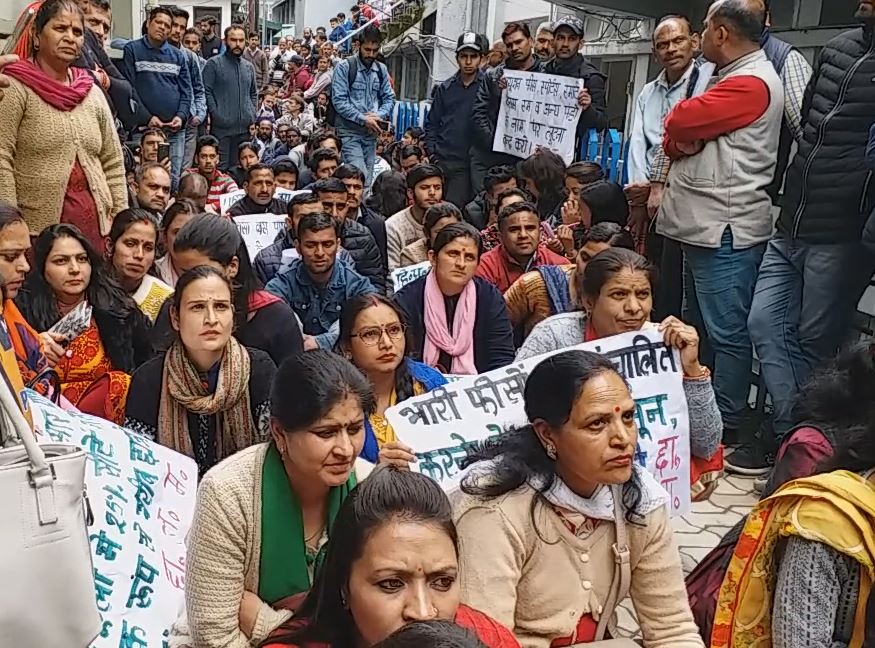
(836, 509)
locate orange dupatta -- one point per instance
(837, 509)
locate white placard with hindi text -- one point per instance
(142, 496)
(259, 230)
(538, 110)
(408, 274)
(450, 423)
(226, 201)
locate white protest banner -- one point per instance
(408, 274)
(259, 230)
(226, 201)
(449, 424)
(537, 110)
(142, 496)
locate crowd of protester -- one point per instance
(744, 232)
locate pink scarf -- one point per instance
(460, 343)
(58, 95)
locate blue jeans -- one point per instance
(724, 281)
(177, 152)
(358, 149)
(802, 309)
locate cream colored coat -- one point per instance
(224, 555)
(540, 587)
(38, 146)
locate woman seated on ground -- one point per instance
(803, 566)
(175, 218)
(373, 336)
(458, 322)
(392, 560)
(131, 252)
(838, 399)
(549, 290)
(436, 218)
(264, 515)
(616, 291)
(261, 320)
(546, 511)
(14, 246)
(94, 366)
(208, 396)
(595, 203)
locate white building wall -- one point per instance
(316, 13)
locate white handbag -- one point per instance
(47, 595)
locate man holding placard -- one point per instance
(518, 40)
(260, 188)
(567, 39)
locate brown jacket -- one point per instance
(38, 146)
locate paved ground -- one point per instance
(701, 530)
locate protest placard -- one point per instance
(537, 110)
(408, 274)
(142, 496)
(449, 424)
(226, 201)
(259, 230)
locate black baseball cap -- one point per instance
(472, 41)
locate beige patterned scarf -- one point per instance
(186, 393)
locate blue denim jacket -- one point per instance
(370, 92)
(318, 307)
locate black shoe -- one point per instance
(751, 460)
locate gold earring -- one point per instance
(551, 451)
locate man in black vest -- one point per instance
(814, 268)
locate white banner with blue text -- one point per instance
(142, 497)
(451, 423)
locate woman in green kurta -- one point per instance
(264, 514)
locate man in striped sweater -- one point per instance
(206, 157)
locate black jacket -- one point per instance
(447, 132)
(376, 224)
(476, 212)
(596, 116)
(269, 260)
(487, 103)
(828, 192)
(248, 206)
(122, 97)
(141, 412)
(493, 336)
(359, 242)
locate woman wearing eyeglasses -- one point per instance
(373, 336)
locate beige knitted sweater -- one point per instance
(38, 146)
(224, 555)
(401, 230)
(540, 586)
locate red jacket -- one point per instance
(489, 631)
(300, 81)
(498, 268)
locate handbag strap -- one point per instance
(41, 475)
(622, 569)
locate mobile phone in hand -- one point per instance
(163, 152)
(383, 124)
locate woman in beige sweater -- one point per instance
(263, 515)
(547, 511)
(60, 157)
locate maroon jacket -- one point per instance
(300, 81)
